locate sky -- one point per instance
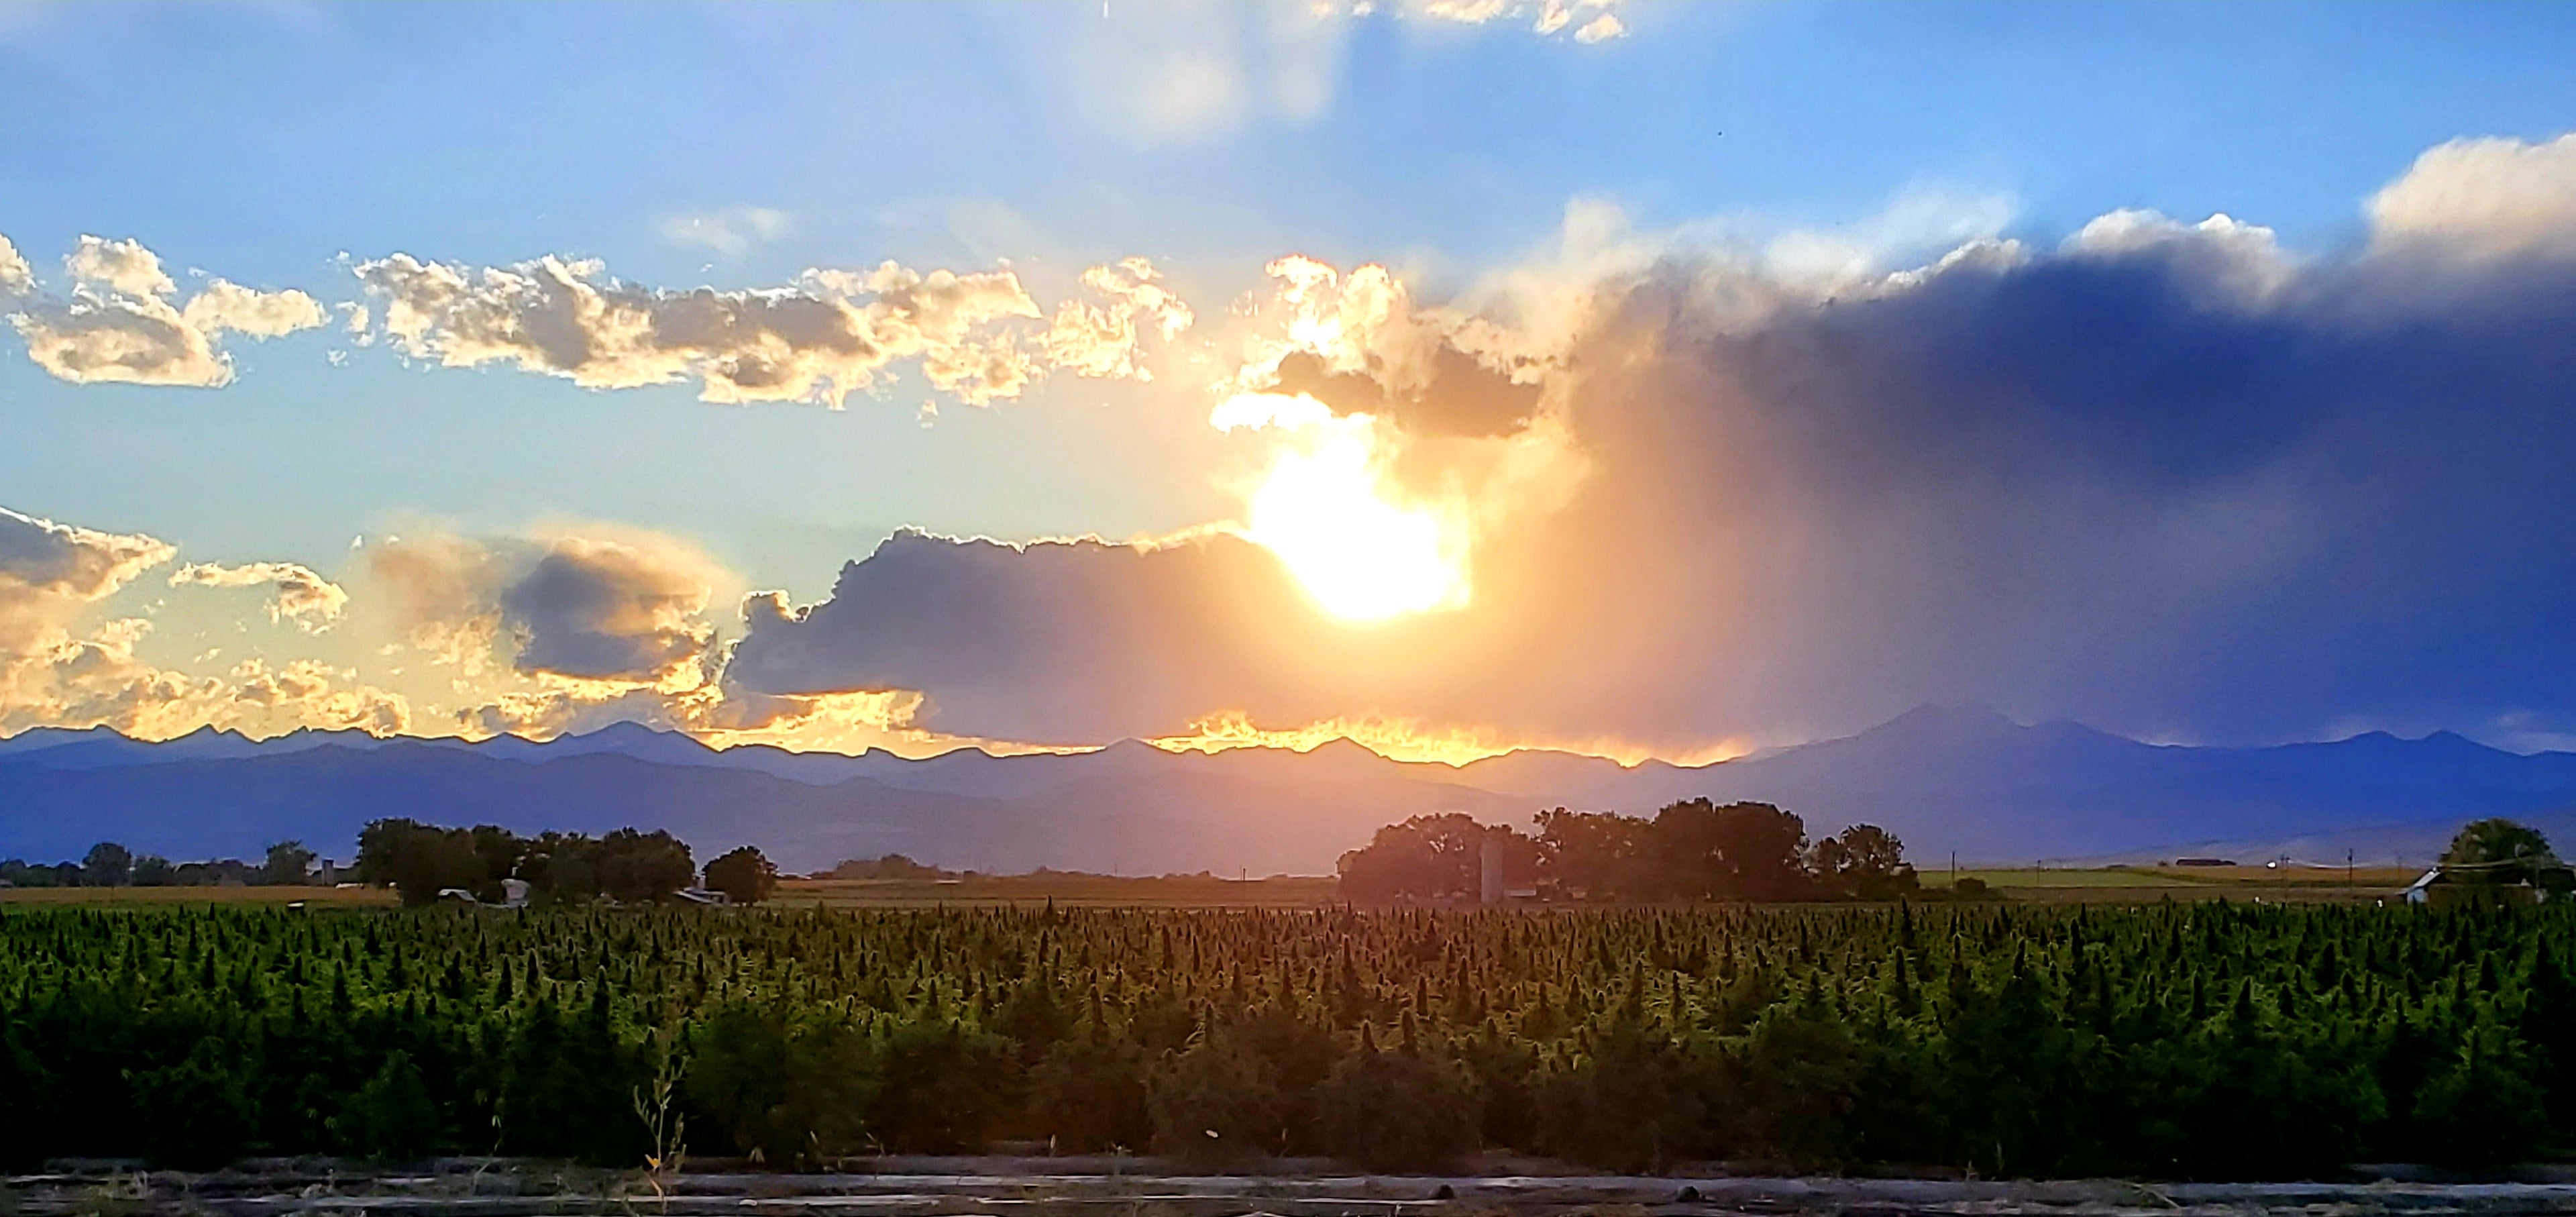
(1645, 379)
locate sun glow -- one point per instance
(1400, 738)
(1323, 507)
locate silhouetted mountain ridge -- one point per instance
(1944, 778)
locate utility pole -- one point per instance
(2347, 868)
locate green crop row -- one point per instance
(2208, 1040)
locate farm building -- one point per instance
(2512, 882)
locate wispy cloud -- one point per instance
(728, 231)
(1178, 71)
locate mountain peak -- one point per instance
(622, 730)
(1965, 721)
(1346, 748)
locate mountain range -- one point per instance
(1944, 779)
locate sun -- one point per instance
(1324, 510)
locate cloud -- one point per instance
(1358, 344)
(605, 610)
(56, 670)
(2166, 478)
(830, 334)
(225, 306)
(59, 679)
(1102, 341)
(119, 324)
(2483, 198)
(729, 231)
(2231, 262)
(1456, 395)
(123, 267)
(1591, 21)
(16, 277)
(40, 559)
(627, 611)
(51, 575)
(1182, 71)
(570, 633)
(1171, 71)
(307, 693)
(1049, 642)
(306, 598)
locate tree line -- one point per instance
(422, 861)
(109, 864)
(1694, 849)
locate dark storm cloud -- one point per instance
(2090, 487)
(1059, 641)
(2165, 480)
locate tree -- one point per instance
(1595, 853)
(1426, 857)
(378, 844)
(2497, 851)
(1742, 851)
(289, 864)
(558, 867)
(744, 874)
(153, 870)
(420, 860)
(1864, 861)
(636, 866)
(108, 865)
(891, 866)
(500, 850)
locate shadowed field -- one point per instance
(1075, 890)
(336, 897)
(2119, 884)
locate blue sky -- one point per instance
(260, 142)
(276, 145)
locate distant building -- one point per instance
(2204, 861)
(2449, 885)
(514, 895)
(701, 896)
(1493, 883)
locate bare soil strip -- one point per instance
(1096, 1187)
